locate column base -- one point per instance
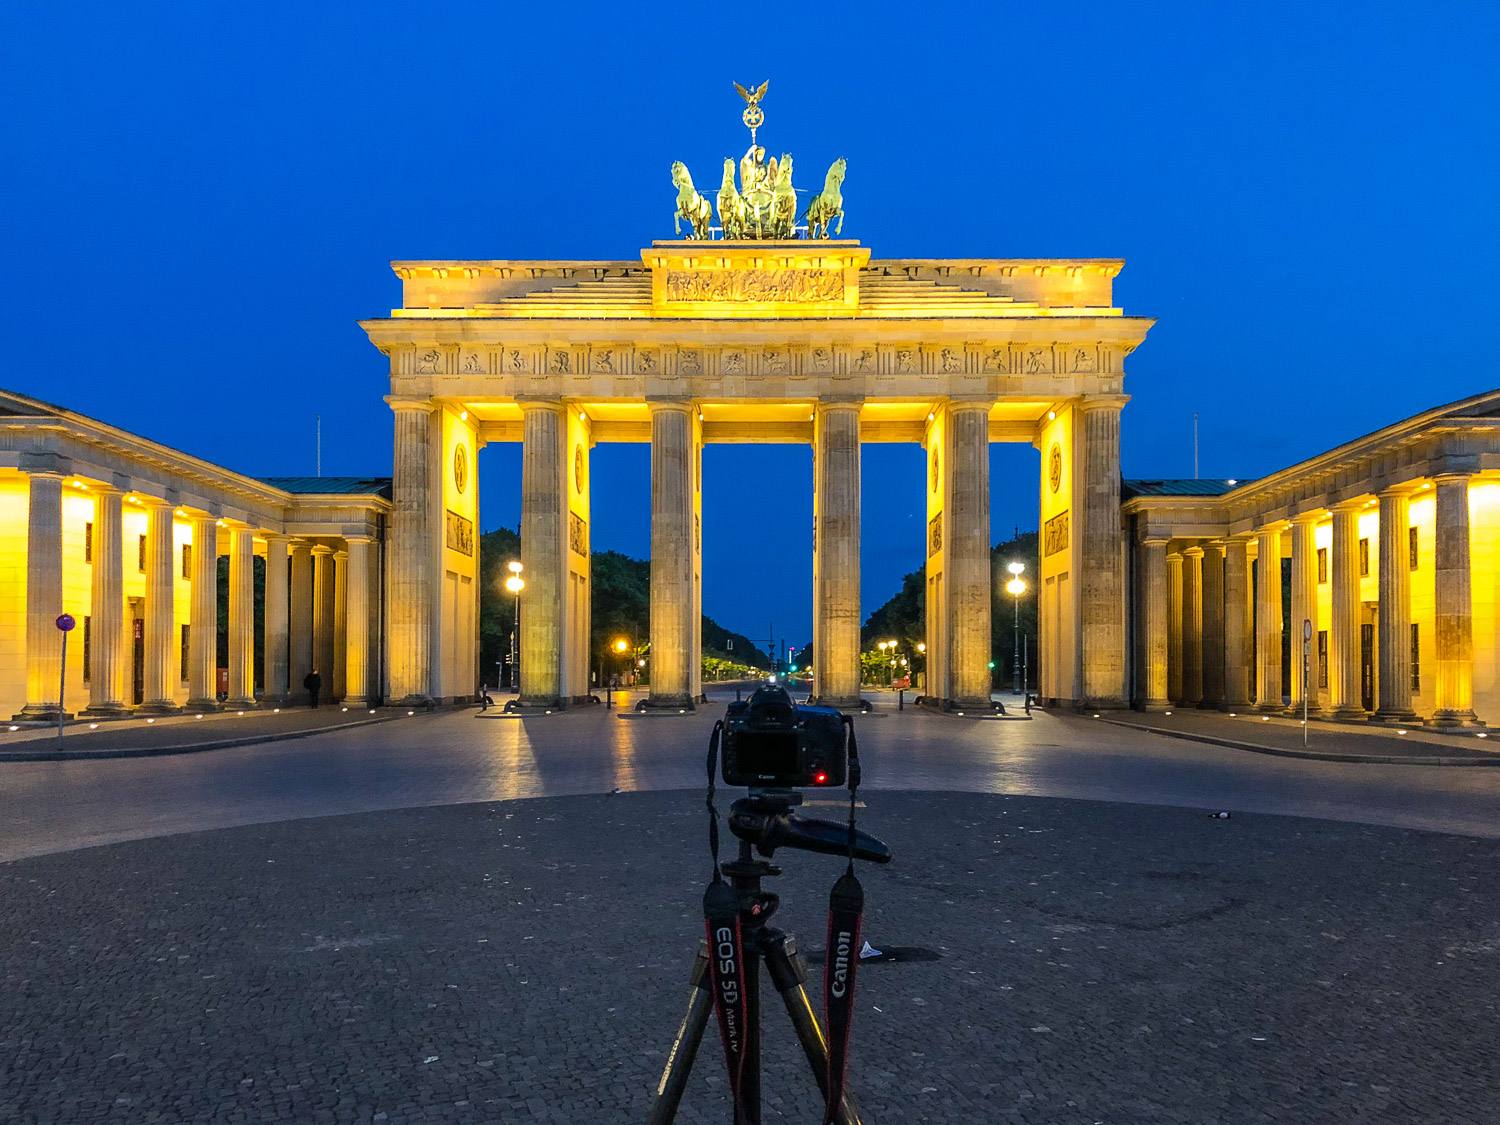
(158, 709)
(1403, 716)
(1154, 705)
(675, 702)
(40, 713)
(541, 703)
(251, 704)
(1105, 703)
(350, 702)
(202, 705)
(106, 711)
(1210, 705)
(1294, 711)
(1348, 715)
(410, 702)
(1270, 707)
(1455, 720)
(838, 703)
(276, 701)
(1235, 706)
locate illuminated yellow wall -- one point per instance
(1484, 562)
(1423, 606)
(576, 592)
(936, 470)
(13, 496)
(1057, 616)
(455, 632)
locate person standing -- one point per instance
(314, 684)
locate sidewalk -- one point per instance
(180, 734)
(1326, 741)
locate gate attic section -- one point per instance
(797, 342)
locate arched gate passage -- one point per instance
(809, 342)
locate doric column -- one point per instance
(322, 616)
(241, 618)
(357, 615)
(968, 555)
(1102, 604)
(1154, 588)
(1213, 625)
(44, 597)
(543, 541)
(411, 578)
(277, 670)
(1268, 619)
(1237, 625)
(300, 615)
(1304, 607)
(107, 606)
(1174, 627)
(340, 623)
(1192, 626)
(1343, 633)
(1394, 619)
(1454, 619)
(160, 679)
(674, 624)
(203, 619)
(836, 500)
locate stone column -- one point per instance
(1237, 625)
(277, 670)
(1268, 620)
(968, 557)
(340, 624)
(160, 679)
(1304, 608)
(107, 606)
(1394, 620)
(543, 543)
(300, 623)
(322, 616)
(411, 578)
(203, 620)
(44, 597)
(357, 615)
(241, 619)
(1213, 625)
(673, 624)
(1454, 608)
(1174, 627)
(836, 500)
(1343, 632)
(1192, 626)
(1154, 587)
(1102, 562)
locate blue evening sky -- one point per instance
(201, 199)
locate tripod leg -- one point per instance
(789, 973)
(685, 1046)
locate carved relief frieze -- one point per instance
(578, 534)
(777, 361)
(864, 361)
(906, 360)
(474, 362)
(1083, 361)
(647, 361)
(995, 360)
(560, 362)
(1037, 360)
(820, 361)
(602, 361)
(733, 362)
(951, 361)
(784, 286)
(689, 361)
(430, 361)
(935, 534)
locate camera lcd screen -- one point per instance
(767, 753)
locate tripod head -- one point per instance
(765, 819)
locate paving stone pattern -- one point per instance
(525, 961)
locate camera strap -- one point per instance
(846, 906)
(726, 946)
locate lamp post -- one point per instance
(1016, 587)
(515, 584)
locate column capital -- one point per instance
(359, 538)
(341, 553)
(46, 474)
(1309, 517)
(956, 405)
(275, 537)
(1149, 540)
(1452, 477)
(1354, 504)
(1193, 552)
(1214, 547)
(321, 549)
(683, 405)
(411, 402)
(840, 402)
(538, 402)
(1102, 402)
(1396, 491)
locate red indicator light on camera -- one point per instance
(820, 778)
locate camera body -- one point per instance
(772, 743)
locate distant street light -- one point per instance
(1016, 587)
(515, 584)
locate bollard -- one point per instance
(901, 699)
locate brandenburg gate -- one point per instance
(756, 336)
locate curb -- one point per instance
(190, 748)
(1314, 755)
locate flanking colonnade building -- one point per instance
(125, 535)
(1384, 554)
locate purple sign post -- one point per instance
(65, 624)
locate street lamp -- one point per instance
(515, 584)
(1016, 587)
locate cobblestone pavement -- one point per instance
(448, 757)
(525, 961)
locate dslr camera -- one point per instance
(772, 743)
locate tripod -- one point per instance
(788, 973)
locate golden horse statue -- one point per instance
(784, 202)
(828, 204)
(731, 205)
(690, 205)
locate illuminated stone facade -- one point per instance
(111, 528)
(1391, 551)
(798, 342)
